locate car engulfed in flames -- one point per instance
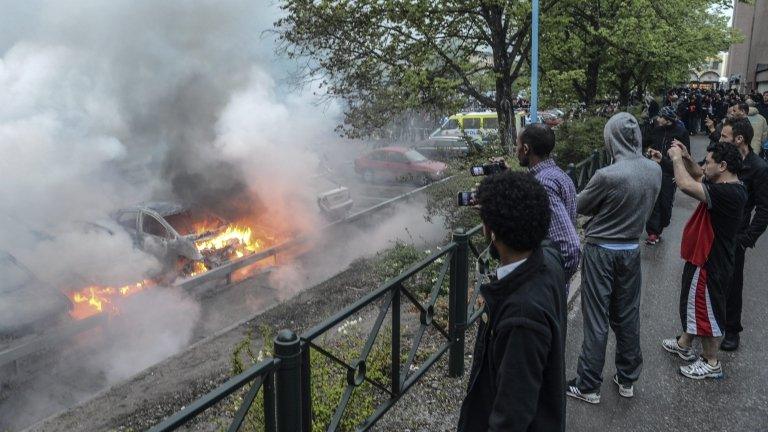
(188, 241)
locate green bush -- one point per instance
(400, 257)
(576, 139)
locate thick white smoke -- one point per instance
(108, 104)
(104, 104)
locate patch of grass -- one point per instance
(329, 379)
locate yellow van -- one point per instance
(461, 131)
(473, 124)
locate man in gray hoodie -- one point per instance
(619, 198)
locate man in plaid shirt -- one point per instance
(534, 146)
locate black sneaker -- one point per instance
(573, 391)
(625, 390)
(730, 342)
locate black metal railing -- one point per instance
(581, 172)
(286, 379)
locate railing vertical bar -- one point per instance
(270, 424)
(306, 388)
(395, 370)
(457, 302)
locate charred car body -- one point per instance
(178, 234)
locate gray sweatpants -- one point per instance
(610, 295)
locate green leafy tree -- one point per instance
(383, 57)
(616, 46)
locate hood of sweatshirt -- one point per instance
(752, 111)
(622, 136)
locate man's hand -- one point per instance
(655, 155)
(710, 124)
(674, 152)
(683, 151)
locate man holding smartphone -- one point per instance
(666, 131)
(534, 147)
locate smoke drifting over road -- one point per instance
(107, 104)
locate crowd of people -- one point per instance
(518, 377)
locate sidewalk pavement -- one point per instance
(665, 400)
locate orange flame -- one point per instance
(93, 299)
(236, 241)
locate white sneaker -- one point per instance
(574, 392)
(701, 369)
(671, 345)
(625, 390)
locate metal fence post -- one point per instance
(457, 302)
(571, 171)
(306, 389)
(288, 381)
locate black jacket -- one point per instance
(517, 381)
(754, 175)
(660, 138)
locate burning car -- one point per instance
(26, 303)
(190, 239)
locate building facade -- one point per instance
(748, 61)
(710, 74)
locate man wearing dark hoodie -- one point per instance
(517, 382)
(660, 139)
(619, 198)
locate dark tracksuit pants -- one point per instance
(662, 210)
(610, 296)
(733, 296)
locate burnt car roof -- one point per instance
(163, 208)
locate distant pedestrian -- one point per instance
(517, 382)
(708, 248)
(619, 198)
(759, 127)
(660, 139)
(534, 148)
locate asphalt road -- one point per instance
(665, 400)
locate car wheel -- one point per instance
(423, 180)
(368, 176)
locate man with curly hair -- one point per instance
(619, 198)
(709, 250)
(517, 381)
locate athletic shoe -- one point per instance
(652, 239)
(573, 391)
(671, 345)
(625, 390)
(701, 369)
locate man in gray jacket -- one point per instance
(619, 198)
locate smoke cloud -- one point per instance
(107, 104)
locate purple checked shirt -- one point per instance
(562, 202)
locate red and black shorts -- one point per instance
(702, 302)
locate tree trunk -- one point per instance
(590, 86)
(506, 113)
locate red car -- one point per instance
(400, 164)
